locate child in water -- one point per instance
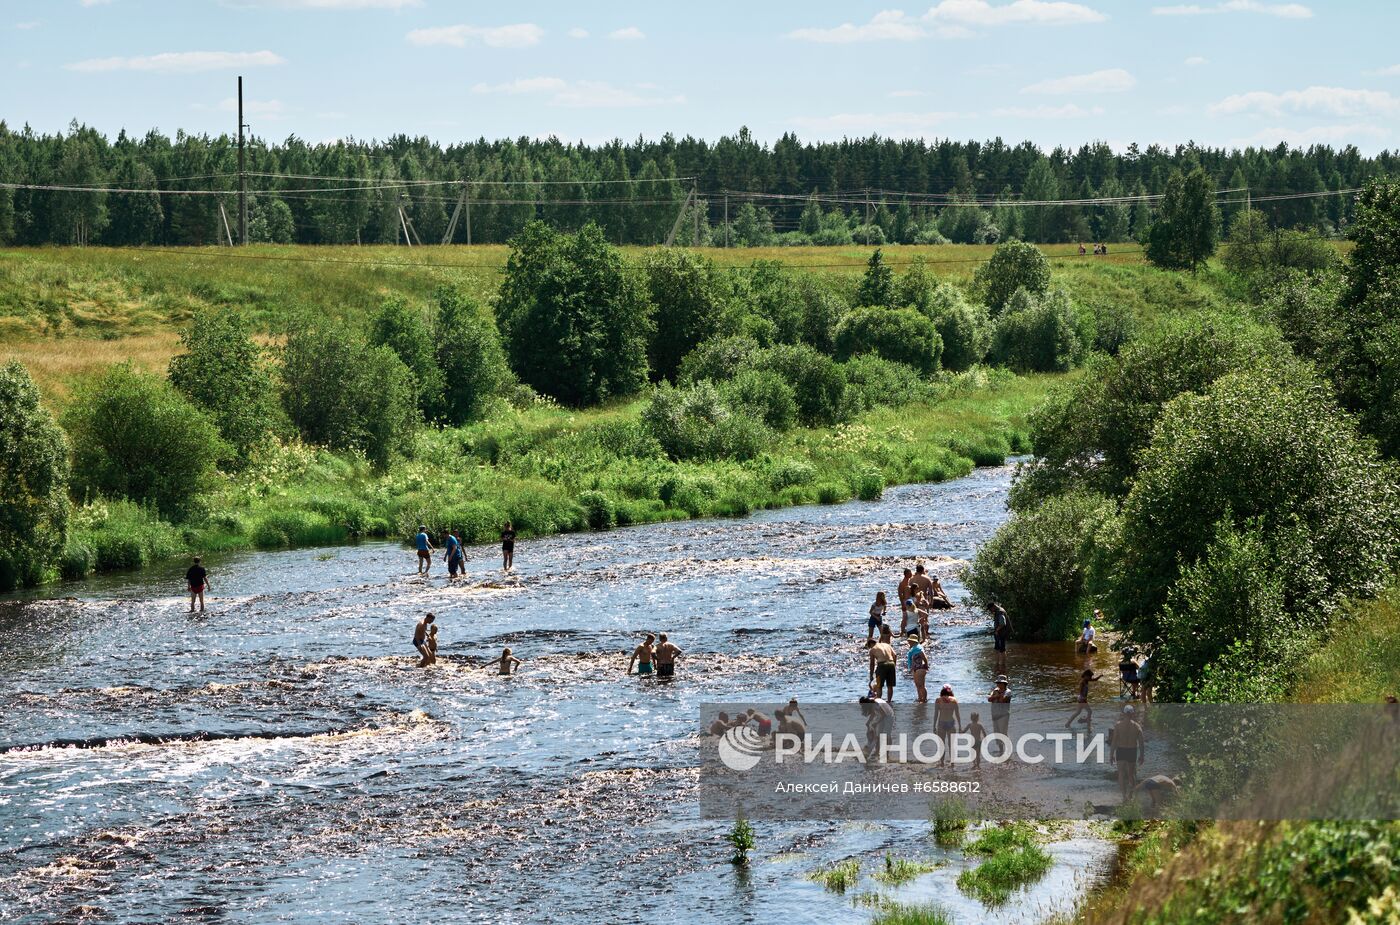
(1083, 700)
(429, 648)
(978, 732)
(508, 663)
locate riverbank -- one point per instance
(551, 470)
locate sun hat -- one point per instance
(1003, 679)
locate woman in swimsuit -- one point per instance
(918, 666)
(508, 546)
(947, 718)
(1083, 700)
(642, 657)
(877, 617)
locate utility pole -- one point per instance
(726, 218)
(242, 174)
(467, 207)
(695, 191)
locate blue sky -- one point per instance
(1218, 72)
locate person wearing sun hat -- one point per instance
(1000, 699)
(918, 665)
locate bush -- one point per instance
(1253, 248)
(718, 359)
(877, 286)
(228, 376)
(1270, 455)
(135, 437)
(965, 332)
(872, 382)
(899, 335)
(1037, 335)
(278, 529)
(870, 484)
(695, 423)
(689, 303)
(1035, 565)
(123, 535)
(832, 493)
(469, 357)
(821, 312)
(816, 380)
(403, 329)
(762, 394)
(575, 320)
(1013, 265)
(34, 474)
(599, 510)
(342, 393)
(79, 559)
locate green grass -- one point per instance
(1360, 661)
(1013, 860)
(949, 822)
(899, 871)
(895, 913)
(838, 878)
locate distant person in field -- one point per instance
(508, 663)
(1081, 249)
(1126, 751)
(508, 546)
(420, 636)
(643, 656)
(425, 548)
(197, 578)
(454, 557)
(666, 653)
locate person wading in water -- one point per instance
(197, 578)
(508, 546)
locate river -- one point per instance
(279, 758)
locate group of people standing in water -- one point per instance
(454, 552)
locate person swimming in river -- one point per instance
(429, 648)
(643, 656)
(420, 637)
(1083, 700)
(508, 662)
(454, 557)
(508, 546)
(197, 579)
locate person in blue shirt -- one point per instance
(425, 550)
(456, 560)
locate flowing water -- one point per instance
(281, 758)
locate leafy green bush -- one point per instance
(283, 528)
(689, 302)
(134, 436)
(598, 509)
(872, 382)
(34, 474)
(694, 422)
(123, 535)
(229, 377)
(1253, 248)
(469, 357)
(832, 493)
(1013, 265)
(900, 335)
(404, 329)
(342, 393)
(965, 332)
(870, 484)
(764, 395)
(78, 560)
(718, 359)
(816, 380)
(575, 320)
(1037, 335)
(1035, 565)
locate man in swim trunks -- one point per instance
(882, 665)
(920, 581)
(198, 579)
(642, 657)
(1126, 751)
(723, 723)
(666, 653)
(1159, 788)
(420, 636)
(425, 548)
(906, 602)
(453, 556)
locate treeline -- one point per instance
(631, 191)
(1225, 486)
(738, 357)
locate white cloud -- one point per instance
(577, 33)
(1195, 61)
(629, 34)
(873, 123)
(1332, 101)
(517, 35)
(1336, 135)
(886, 25)
(1040, 12)
(328, 4)
(25, 26)
(579, 94)
(1113, 80)
(1281, 10)
(1067, 111)
(1392, 71)
(181, 62)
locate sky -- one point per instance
(1217, 72)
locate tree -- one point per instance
(1013, 265)
(345, 394)
(877, 285)
(753, 227)
(33, 482)
(901, 335)
(1187, 231)
(228, 376)
(403, 329)
(134, 436)
(574, 319)
(469, 357)
(1037, 335)
(689, 302)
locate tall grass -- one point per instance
(838, 878)
(1013, 860)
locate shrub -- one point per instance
(1037, 335)
(136, 437)
(764, 395)
(1013, 265)
(575, 320)
(870, 484)
(599, 510)
(965, 332)
(832, 493)
(282, 528)
(469, 357)
(1035, 565)
(228, 376)
(821, 312)
(34, 474)
(127, 536)
(900, 335)
(695, 423)
(342, 393)
(79, 559)
(872, 382)
(689, 302)
(403, 329)
(816, 380)
(718, 359)
(877, 286)
(1253, 248)
(1270, 455)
